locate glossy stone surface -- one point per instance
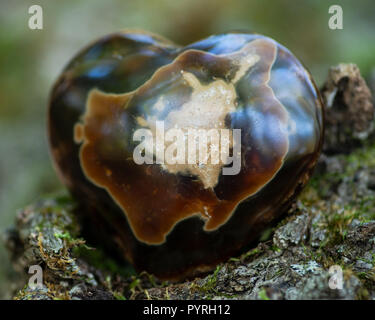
(176, 220)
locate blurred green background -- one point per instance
(30, 60)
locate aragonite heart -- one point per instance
(182, 156)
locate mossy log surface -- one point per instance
(331, 223)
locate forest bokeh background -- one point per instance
(30, 61)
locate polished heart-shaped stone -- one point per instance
(181, 156)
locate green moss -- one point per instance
(262, 294)
(134, 284)
(209, 287)
(211, 281)
(119, 296)
(337, 218)
(65, 235)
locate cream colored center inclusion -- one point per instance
(207, 109)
